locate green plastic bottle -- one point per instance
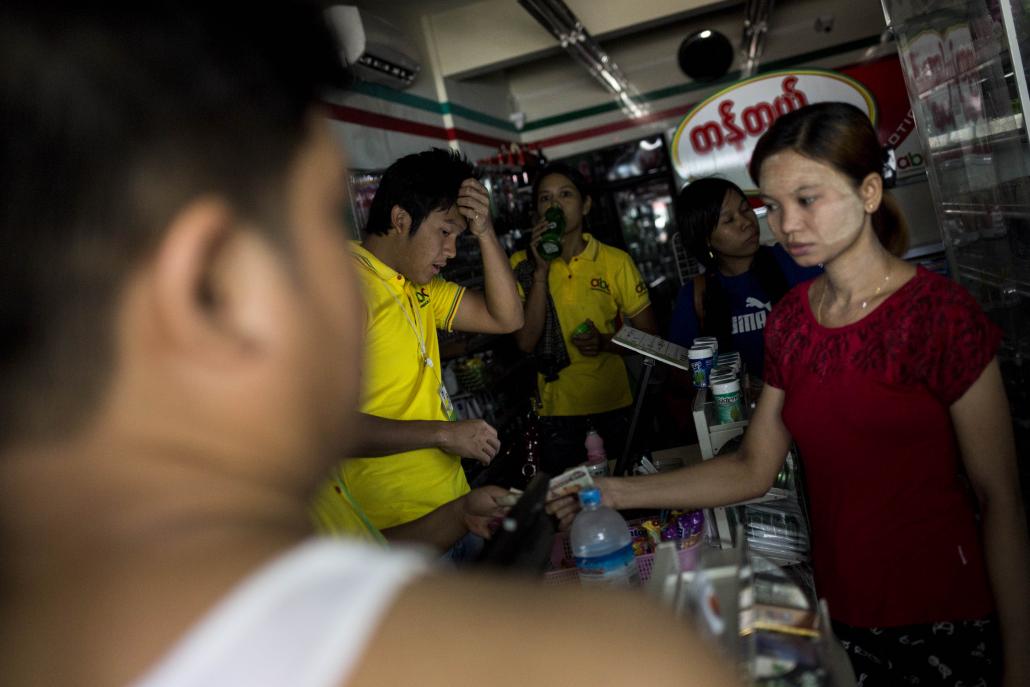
(549, 245)
(583, 328)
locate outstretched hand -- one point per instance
(483, 506)
(474, 439)
(564, 504)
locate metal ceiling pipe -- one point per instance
(752, 42)
(560, 22)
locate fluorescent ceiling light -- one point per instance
(611, 81)
(560, 22)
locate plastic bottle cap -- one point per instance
(699, 352)
(590, 497)
(727, 387)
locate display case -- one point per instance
(633, 191)
(776, 523)
(965, 64)
(361, 186)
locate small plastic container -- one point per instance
(709, 341)
(701, 360)
(729, 403)
(722, 369)
(723, 379)
(688, 556)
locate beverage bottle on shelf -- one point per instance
(597, 459)
(602, 544)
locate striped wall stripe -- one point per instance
(429, 105)
(353, 115)
(611, 127)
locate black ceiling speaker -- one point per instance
(705, 55)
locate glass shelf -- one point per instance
(965, 69)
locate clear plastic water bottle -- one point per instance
(597, 458)
(602, 544)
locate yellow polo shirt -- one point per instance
(597, 284)
(398, 385)
(334, 513)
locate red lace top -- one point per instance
(895, 540)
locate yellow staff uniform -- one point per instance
(597, 284)
(398, 384)
(335, 513)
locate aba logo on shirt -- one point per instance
(422, 296)
(599, 284)
(640, 287)
(751, 321)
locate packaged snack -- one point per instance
(654, 531)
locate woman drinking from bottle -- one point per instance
(574, 304)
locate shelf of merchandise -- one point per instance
(775, 523)
(965, 66)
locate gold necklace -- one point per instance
(865, 303)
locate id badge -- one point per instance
(445, 403)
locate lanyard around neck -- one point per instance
(417, 330)
(420, 336)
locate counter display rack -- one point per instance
(775, 523)
(757, 612)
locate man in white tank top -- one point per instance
(180, 355)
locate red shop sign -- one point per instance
(718, 136)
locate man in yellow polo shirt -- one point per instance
(338, 514)
(411, 445)
(588, 289)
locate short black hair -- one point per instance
(114, 118)
(420, 183)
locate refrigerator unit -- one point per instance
(634, 189)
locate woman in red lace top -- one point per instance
(885, 376)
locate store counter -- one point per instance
(761, 610)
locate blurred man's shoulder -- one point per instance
(297, 620)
